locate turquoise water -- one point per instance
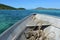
(9, 17)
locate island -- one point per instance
(6, 7)
(20, 8)
(42, 8)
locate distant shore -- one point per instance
(6, 7)
(41, 8)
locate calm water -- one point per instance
(9, 17)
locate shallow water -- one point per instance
(9, 17)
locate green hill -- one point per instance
(20, 8)
(6, 7)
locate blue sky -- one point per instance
(31, 4)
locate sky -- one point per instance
(31, 4)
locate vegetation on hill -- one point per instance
(2, 6)
(6, 7)
(20, 8)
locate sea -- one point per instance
(10, 17)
